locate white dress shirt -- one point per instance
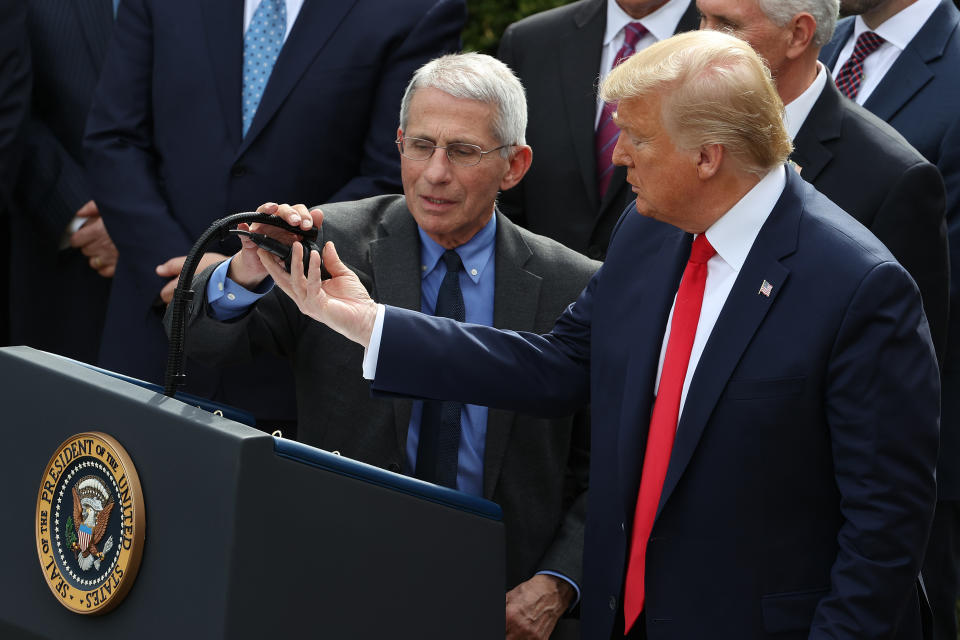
(732, 236)
(795, 113)
(293, 10)
(898, 31)
(660, 25)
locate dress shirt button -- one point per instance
(238, 170)
(231, 296)
(473, 272)
(220, 286)
(613, 603)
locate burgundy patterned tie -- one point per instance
(851, 73)
(607, 132)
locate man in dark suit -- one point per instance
(14, 105)
(61, 242)
(535, 469)
(170, 147)
(896, 194)
(764, 399)
(910, 81)
(559, 54)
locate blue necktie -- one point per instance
(261, 46)
(439, 444)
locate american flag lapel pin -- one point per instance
(765, 289)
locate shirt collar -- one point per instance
(661, 24)
(795, 113)
(475, 253)
(901, 28)
(733, 234)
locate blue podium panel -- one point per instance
(246, 536)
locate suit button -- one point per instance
(613, 603)
(238, 170)
(623, 527)
(595, 252)
(393, 466)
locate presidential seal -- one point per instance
(90, 523)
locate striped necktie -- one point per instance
(851, 73)
(607, 132)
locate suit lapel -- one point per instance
(739, 319)
(395, 262)
(652, 303)
(315, 24)
(822, 125)
(579, 73)
(96, 22)
(223, 26)
(830, 53)
(515, 298)
(909, 72)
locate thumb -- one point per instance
(331, 260)
(171, 267)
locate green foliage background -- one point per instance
(487, 19)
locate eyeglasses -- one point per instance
(461, 153)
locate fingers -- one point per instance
(317, 215)
(335, 267)
(171, 268)
(295, 215)
(88, 210)
(269, 208)
(166, 294)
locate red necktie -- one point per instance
(851, 73)
(663, 421)
(607, 132)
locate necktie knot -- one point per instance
(632, 34)
(702, 250)
(452, 259)
(867, 43)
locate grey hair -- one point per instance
(475, 76)
(825, 12)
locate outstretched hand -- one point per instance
(341, 302)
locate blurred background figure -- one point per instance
(62, 257)
(206, 109)
(900, 60)
(14, 103)
(573, 192)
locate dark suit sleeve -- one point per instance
(565, 553)
(438, 32)
(269, 326)
(882, 398)
(510, 201)
(14, 91)
(919, 240)
(53, 183)
(544, 375)
(121, 157)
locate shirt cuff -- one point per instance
(372, 354)
(229, 300)
(573, 584)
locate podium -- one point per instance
(246, 535)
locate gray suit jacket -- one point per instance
(536, 469)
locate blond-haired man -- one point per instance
(763, 388)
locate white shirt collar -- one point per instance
(795, 113)
(733, 234)
(661, 24)
(901, 28)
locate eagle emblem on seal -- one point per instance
(90, 518)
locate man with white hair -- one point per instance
(763, 389)
(847, 153)
(442, 247)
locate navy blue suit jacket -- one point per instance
(164, 146)
(801, 484)
(920, 97)
(68, 42)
